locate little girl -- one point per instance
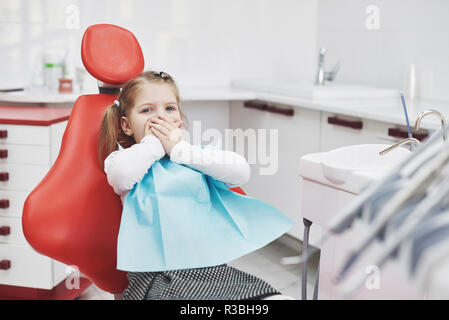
(141, 140)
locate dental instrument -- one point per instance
(421, 181)
(404, 107)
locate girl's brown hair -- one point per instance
(111, 131)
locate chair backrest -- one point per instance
(73, 215)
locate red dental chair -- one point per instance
(73, 215)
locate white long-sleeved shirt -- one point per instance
(125, 167)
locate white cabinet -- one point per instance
(297, 135)
(26, 154)
(339, 131)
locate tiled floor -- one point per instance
(264, 263)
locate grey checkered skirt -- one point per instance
(221, 282)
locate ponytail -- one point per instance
(111, 133)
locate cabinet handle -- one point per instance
(3, 134)
(401, 133)
(4, 176)
(265, 107)
(3, 153)
(353, 124)
(5, 230)
(286, 112)
(5, 264)
(4, 204)
(254, 105)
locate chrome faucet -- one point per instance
(438, 114)
(400, 143)
(323, 75)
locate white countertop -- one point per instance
(192, 93)
(31, 97)
(385, 110)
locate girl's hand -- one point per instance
(148, 128)
(168, 133)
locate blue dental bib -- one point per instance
(179, 218)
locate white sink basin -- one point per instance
(326, 92)
(338, 164)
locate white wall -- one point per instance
(197, 41)
(213, 41)
(412, 31)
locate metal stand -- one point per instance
(305, 247)
(317, 280)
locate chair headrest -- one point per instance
(111, 54)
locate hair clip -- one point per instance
(163, 74)
(117, 103)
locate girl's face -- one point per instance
(152, 101)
